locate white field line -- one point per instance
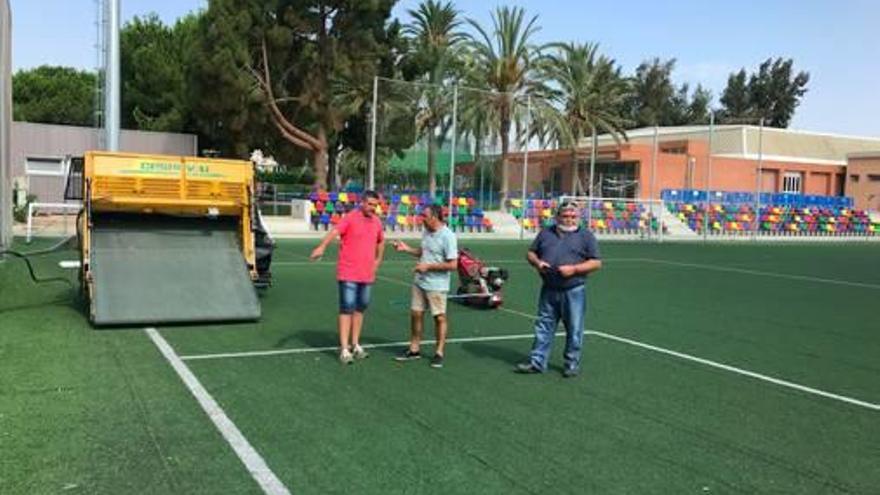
(739, 371)
(722, 366)
(607, 336)
(251, 459)
(680, 355)
(310, 350)
(747, 271)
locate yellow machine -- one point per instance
(169, 238)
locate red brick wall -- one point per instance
(866, 190)
(683, 170)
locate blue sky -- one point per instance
(833, 40)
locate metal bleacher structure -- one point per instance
(682, 214)
(604, 216)
(399, 212)
(727, 213)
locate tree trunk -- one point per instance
(594, 144)
(432, 163)
(320, 159)
(575, 182)
(333, 175)
(505, 173)
(478, 143)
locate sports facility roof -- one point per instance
(746, 141)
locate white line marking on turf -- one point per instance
(623, 340)
(680, 355)
(309, 350)
(249, 456)
(714, 364)
(740, 371)
(761, 273)
(719, 268)
(607, 336)
(722, 366)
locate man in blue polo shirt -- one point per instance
(563, 255)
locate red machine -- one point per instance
(480, 285)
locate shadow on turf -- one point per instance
(71, 301)
(494, 351)
(329, 338)
(506, 355)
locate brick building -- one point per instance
(785, 160)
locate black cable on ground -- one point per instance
(26, 257)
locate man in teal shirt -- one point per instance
(438, 256)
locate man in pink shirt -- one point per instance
(360, 254)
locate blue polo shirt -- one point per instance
(564, 248)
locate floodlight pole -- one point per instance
(6, 199)
(371, 172)
(454, 132)
(112, 77)
(525, 167)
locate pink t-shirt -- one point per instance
(357, 254)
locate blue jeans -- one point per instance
(353, 297)
(568, 305)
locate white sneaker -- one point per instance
(359, 353)
(345, 357)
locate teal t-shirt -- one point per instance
(437, 247)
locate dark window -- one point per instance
(73, 189)
(616, 179)
(674, 150)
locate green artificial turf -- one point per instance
(101, 411)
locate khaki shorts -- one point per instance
(435, 299)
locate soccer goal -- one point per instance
(51, 219)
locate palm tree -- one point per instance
(504, 60)
(436, 57)
(589, 91)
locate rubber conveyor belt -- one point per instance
(154, 269)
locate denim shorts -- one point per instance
(353, 296)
